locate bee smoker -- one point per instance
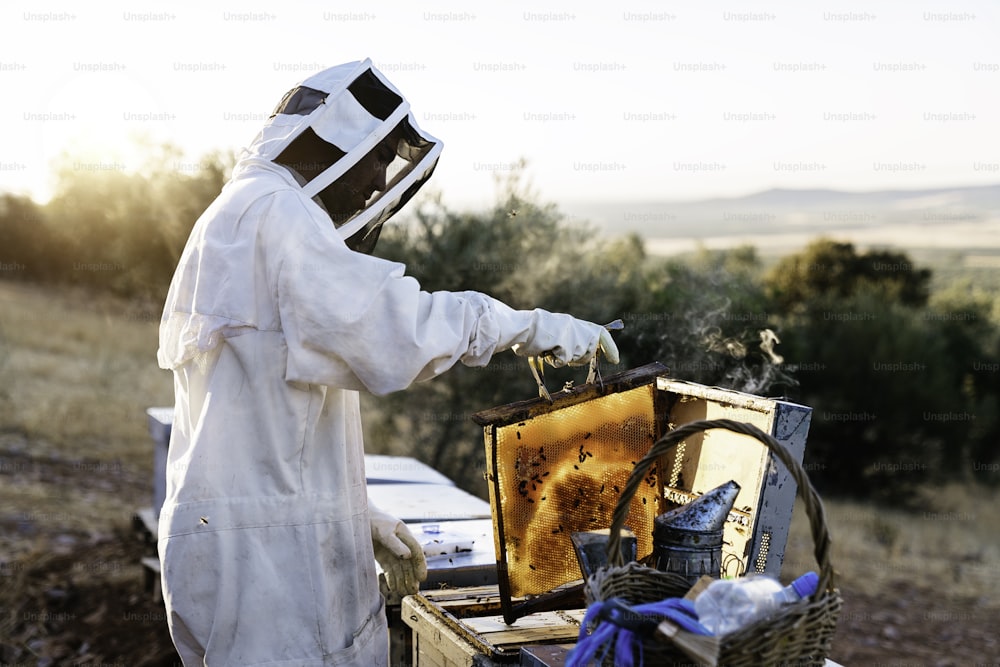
(688, 540)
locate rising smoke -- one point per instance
(710, 346)
(758, 373)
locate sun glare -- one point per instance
(93, 122)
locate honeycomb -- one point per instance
(563, 472)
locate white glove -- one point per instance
(558, 338)
(608, 347)
(398, 552)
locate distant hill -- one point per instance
(780, 220)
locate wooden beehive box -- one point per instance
(462, 627)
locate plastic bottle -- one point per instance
(728, 605)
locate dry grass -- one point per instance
(919, 587)
(953, 545)
(77, 372)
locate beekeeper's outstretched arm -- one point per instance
(355, 321)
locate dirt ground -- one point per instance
(72, 594)
(67, 615)
(82, 599)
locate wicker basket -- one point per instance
(800, 634)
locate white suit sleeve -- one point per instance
(355, 321)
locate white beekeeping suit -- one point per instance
(276, 317)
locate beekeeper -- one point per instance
(277, 316)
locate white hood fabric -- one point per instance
(359, 109)
(270, 327)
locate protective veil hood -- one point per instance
(350, 116)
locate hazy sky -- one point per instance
(637, 100)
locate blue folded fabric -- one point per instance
(617, 624)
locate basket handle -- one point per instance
(804, 490)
